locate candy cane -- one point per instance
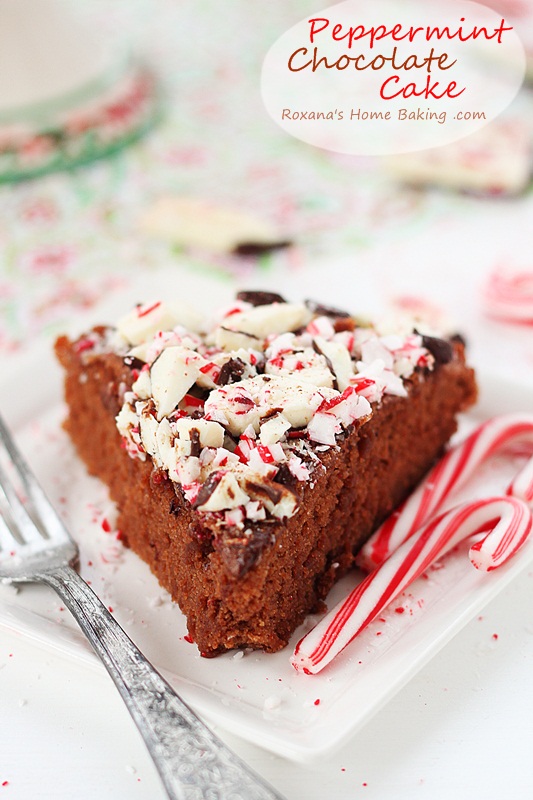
(449, 474)
(509, 522)
(509, 297)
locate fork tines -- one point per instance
(26, 515)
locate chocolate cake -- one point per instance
(250, 458)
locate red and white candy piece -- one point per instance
(496, 435)
(508, 522)
(509, 297)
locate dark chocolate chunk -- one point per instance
(325, 311)
(285, 477)
(231, 372)
(133, 362)
(440, 349)
(196, 447)
(260, 298)
(207, 489)
(272, 412)
(258, 248)
(175, 508)
(241, 551)
(203, 537)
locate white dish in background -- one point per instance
(255, 695)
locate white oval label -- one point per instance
(380, 78)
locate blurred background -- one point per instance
(182, 169)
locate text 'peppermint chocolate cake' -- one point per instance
(250, 458)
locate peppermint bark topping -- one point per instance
(240, 413)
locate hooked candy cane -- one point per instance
(509, 522)
(453, 471)
(509, 297)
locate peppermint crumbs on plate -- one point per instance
(413, 537)
(251, 454)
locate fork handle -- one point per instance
(192, 762)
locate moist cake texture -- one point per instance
(250, 457)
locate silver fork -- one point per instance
(35, 546)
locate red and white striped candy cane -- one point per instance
(453, 471)
(509, 522)
(509, 297)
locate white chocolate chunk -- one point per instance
(165, 444)
(191, 222)
(236, 405)
(273, 429)
(126, 419)
(211, 434)
(262, 321)
(148, 425)
(140, 351)
(323, 427)
(286, 506)
(374, 350)
(244, 403)
(228, 494)
(141, 323)
(340, 360)
(254, 511)
(172, 374)
(259, 467)
(143, 385)
(305, 365)
(299, 400)
(495, 159)
(385, 379)
(351, 408)
(188, 470)
(228, 339)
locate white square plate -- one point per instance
(257, 696)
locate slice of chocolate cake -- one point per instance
(250, 458)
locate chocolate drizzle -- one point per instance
(207, 489)
(317, 349)
(268, 489)
(258, 298)
(326, 311)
